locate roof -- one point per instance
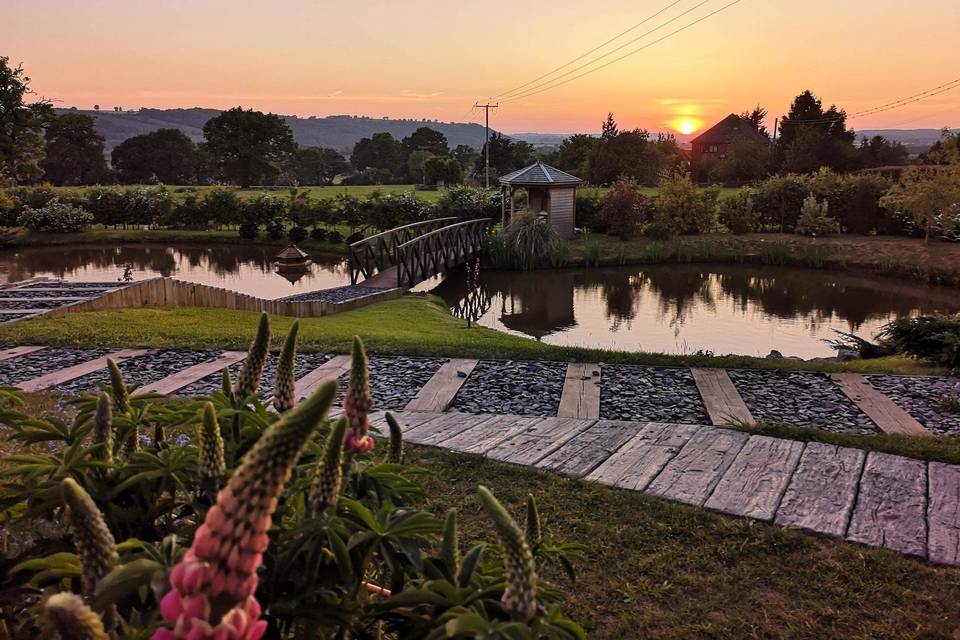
(540, 175)
(292, 252)
(733, 126)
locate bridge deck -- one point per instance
(385, 279)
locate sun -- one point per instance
(686, 126)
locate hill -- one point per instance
(915, 140)
(338, 132)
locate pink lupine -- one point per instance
(358, 402)
(213, 587)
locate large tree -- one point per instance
(74, 151)
(575, 152)
(379, 151)
(506, 155)
(316, 165)
(167, 156)
(427, 139)
(812, 137)
(248, 146)
(21, 125)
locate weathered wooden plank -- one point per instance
(892, 504)
(437, 431)
(179, 380)
(407, 420)
(886, 413)
(16, 312)
(538, 441)
(61, 376)
(438, 393)
(491, 433)
(332, 369)
(16, 352)
(585, 451)
(696, 469)
(755, 482)
(581, 392)
(943, 513)
(721, 398)
(823, 489)
(639, 461)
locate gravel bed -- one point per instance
(512, 387)
(650, 394)
(57, 284)
(337, 294)
(140, 371)
(921, 398)
(40, 363)
(34, 293)
(305, 363)
(801, 399)
(395, 380)
(34, 304)
(10, 317)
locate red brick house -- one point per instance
(713, 142)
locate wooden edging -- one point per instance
(182, 379)
(581, 392)
(62, 376)
(438, 394)
(332, 369)
(887, 414)
(16, 352)
(720, 397)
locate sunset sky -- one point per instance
(433, 59)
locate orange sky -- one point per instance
(432, 59)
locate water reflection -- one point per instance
(742, 309)
(245, 268)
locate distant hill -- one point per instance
(915, 140)
(338, 132)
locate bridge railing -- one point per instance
(432, 253)
(377, 253)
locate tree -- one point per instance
(880, 152)
(379, 151)
(506, 155)
(465, 155)
(623, 155)
(427, 139)
(248, 146)
(438, 170)
(74, 151)
(167, 156)
(624, 208)
(756, 118)
(932, 201)
(946, 150)
(609, 130)
(21, 125)
(746, 160)
(811, 137)
(316, 165)
(575, 152)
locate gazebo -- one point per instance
(292, 258)
(550, 192)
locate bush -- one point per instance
(863, 213)
(394, 210)
(55, 217)
(319, 234)
(934, 338)
(222, 207)
(815, 219)
(35, 197)
(189, 213)
(737, 212)
(469, 202)
(778, 201)
(297, 234)
(356, 236)
(263, 210)
(335, 236)
(525, 242)
(249, 230)
(106, 205)
(589, 202)
(624, 209)
(8, 209)
(276, 229)
(145, 205)
(683, 208)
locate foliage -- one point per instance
(74, 151)
(737, 212)
(468, 203)
(315, 165)
(624, 211)
(166, 156)
(55, 217)
(297, 234)
(683, 208)
(933, 202)
(589, 203)
(747, 159)
(380, 151)
(21, 125)
(442, 170)
(935, 338)
(815, 219)
(812, 137)
(778, 200)
(506, 155)
(248, 146)
(263, 210)
(863, 212)
(526, 241)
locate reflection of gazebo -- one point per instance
(549, 191)
(542, 310)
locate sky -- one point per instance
(434, 59)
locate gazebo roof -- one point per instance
(540, 175)
(292, 252)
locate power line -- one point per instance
(626, 55)
(582, 56)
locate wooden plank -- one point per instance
(332, 369)
(581, 392)
(639, 461)
(823, 489)
(438, 393)
(14, 312)
(886, 413)
(588, 449)
(490, 434)
(892, 504)
(179, 380)
(16, 352)
(758, 477)
(407, 420)
(943, 513)
(691, 476)
(437, 431)
(78, 371)
(538, 441)
(721, 398)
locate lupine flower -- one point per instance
(213, 587)
(284, 391)
(357, 403)
(95, 545)
(248, 382)
(210, 464)
(103, 428)
(520, 594)
(396, 439)
(534, 533)
(73, 619)
(328, 477)
(121, 395)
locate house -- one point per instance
(713, 142)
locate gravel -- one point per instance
(512, 387)
(39, 363)
(337, 294)
(921, 397)
(56, 284)
(142, 370)
(34, 304)
(305, 363)
(395, 380)
(654, 394)
(34, 293)
(800, 399)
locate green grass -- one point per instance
(413, 325)
(656, 569)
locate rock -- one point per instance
(845, 354)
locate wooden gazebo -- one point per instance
(550, 192)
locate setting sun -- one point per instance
(686, 126)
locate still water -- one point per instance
(743, 309)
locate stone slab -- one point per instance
(691, 476)
(585, 451)
(639, 461)
(538, 441)
(437, 431)
(491, 433)
(943, 513)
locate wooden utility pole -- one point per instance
(486, 146)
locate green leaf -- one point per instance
(344, 563)
(124, 580)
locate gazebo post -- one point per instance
(503, 205)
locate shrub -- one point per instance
(55, 217)
(188, 214)
(106, 205)
(248, 230)
(778, 201)
(683, 208)
(350, 211)
(935, 338)
(624, 211)
(297, 234)
(529, 239)
(589, 202)
(863, 213)
(737, 212)
(394, 210)
(932, 201)
(221, 207)
(319, 233)
(264, 210)
(356, 236)
(469, 202)
(145, 205)
(8, 209)
(35, 197)
(275, 229)
(815, 219)
(335, 236)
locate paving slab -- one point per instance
(691, 476)
(943, 513)
(16, 352)
(440, 390)
(886, 413)
(188, 376)
(490, 434)
(71, 373)
(332, 369)
(721, 398)
(436, 432)
(584, 452)
(539, 440)
(639, 461)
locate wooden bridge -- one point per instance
(406, 256)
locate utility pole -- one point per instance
(486, 146)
